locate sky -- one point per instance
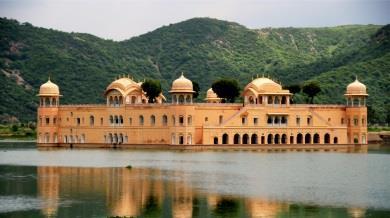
(123, 19)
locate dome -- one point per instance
(211, 94)
(49, 89)
(356, 88)
(265, 85)
(122, 85)
(182, 84)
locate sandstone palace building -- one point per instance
(266, 117)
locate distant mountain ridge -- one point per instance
(204, 49)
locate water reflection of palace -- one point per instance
(144, 192)
(137, 192)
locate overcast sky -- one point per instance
(122, 19)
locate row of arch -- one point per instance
(276, 139)
(74, 138)
(116, 138)
(49, 101)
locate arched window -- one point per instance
(284, 100)
(91, 120)
(141, 120)
(181, 120)
(47, 102)
(121, 120)
(110, 101)
(82, 140)
(307, 138)
(116, 101)
(188, 99)
(215, 140)
(251, 100)
(54, 102)
(181, 99)
(237, 139)
(254, 139)
(291, 139)
(120, 100)
(316, 138)
(111, 119)
(327, 138)
(269, 100)
(165, 120)
(55, 138)
(277, 139)
(270, 139)
(284, 139)
(173, 139)
(335, 140)
(116, 120)
(299, 138)
(111, 138)
(189, 120)
(181, 139)
(220, 119)
(277, 101)
(262, 139)
(283, 120)
(133, 99)
(120, 138)
(225, 139)
(47, 138)
(152, 120)
(173, 120)
(101, 121)
(115, 138)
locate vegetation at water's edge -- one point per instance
(18, 131)
(378, 128)
(206, 50)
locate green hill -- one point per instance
(205, 49)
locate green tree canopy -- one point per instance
(311, 89)
(152, 89)
(227, 89)
(196, 89)
(294, 89)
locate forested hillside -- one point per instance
(204, 49)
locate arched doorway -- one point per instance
(225, 139)
(335, 140)
(181, 139)
(292, 139)
(307, 138)
(254, 139)
(277, 139)
(299, 138)
(284, 139)
(316, 138)
(262, 139)
(237, 139)
(245, 139)
(327, 138)
(269, 139)
(215, 140)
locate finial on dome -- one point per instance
(356, 77)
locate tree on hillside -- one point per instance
(196, 89)
(152, 88)
(294, 89)
(311, 89)
(226, 89)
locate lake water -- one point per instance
(95, 183)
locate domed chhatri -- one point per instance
(356, 88)
(49, 89)
(212, 97)
(265, 91)
(182, 85)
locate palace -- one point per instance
(266, 117)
